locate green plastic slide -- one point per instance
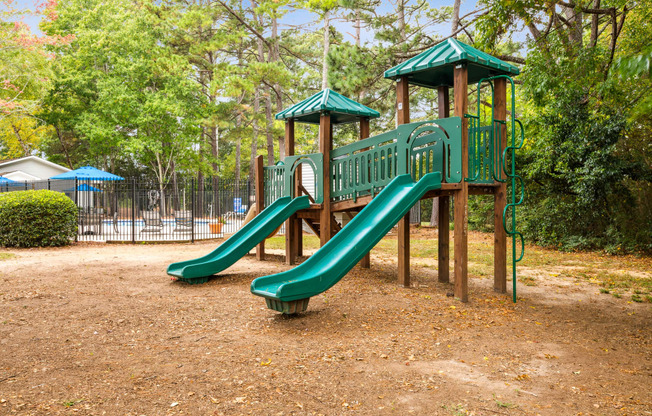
(240, 243)
(288, 292)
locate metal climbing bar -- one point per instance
(487, 155)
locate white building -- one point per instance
(30, 168)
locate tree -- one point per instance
(119, 92)
(24, 77)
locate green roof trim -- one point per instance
(434, 67)
(341, 109)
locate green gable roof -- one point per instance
(434, 67)
(340, 108)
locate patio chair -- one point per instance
(239, 210)
(90, 223)
(116, 229)
(153, 222)
(182, 221)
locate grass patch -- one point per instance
(527, 280)
(611, 273)
(7, 256)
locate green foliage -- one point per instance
(37, 219)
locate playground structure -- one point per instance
(448, 157)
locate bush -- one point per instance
(37, 219)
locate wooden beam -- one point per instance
(500, 195)
(325, 147)
(402, 101)
(260, 200)
(447, 189)
(365, 263)
(290, 223)
(443, 103)
(483, 190)
(462, 196)
(443, 216)
(308, 214)
(403, 117)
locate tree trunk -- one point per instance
(238, 124)
(327, 44)
(20, 140)
(63, 146)
(254, 139)
(455, 22)
(161, 184)
(270, 125)
(275, 55)
(401, 19)
(358, 43)
(254, 142)
(434, 215)
(594, 24)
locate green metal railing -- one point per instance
(277, 178)
(484, 151)
(365, 167)
(316, 162)
(274, 181)
(489, 162)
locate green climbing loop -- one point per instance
(489, 162)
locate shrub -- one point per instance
(37, 219)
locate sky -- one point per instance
(296, 17)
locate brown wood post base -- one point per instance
(365, 263)
(291, 240)
(444, 239)
(462, 196)
(461, 245)
(325, 147)
(404, 251)
(300, 238)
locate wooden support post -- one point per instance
(260, 201)
(443, 273)
(500, 197)
(299, 222)
(290, 223)
(403, 117)
(365, 263)
(325, 147)
(444, 239)
(462, 195)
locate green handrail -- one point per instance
(509, 173)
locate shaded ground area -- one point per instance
(100, 328)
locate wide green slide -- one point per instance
(240, 243)
(288, 292)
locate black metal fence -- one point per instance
(139, 210)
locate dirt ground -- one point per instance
(101, 329)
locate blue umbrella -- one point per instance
(85, 187)
(89, 172)
(4, 180)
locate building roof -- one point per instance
(7, 162)
(435, 67)
(341, 109)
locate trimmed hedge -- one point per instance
(37, 219)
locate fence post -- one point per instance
(133, 210)
(48, 184)
(192, 210)
(248, 194)
(76, 206)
